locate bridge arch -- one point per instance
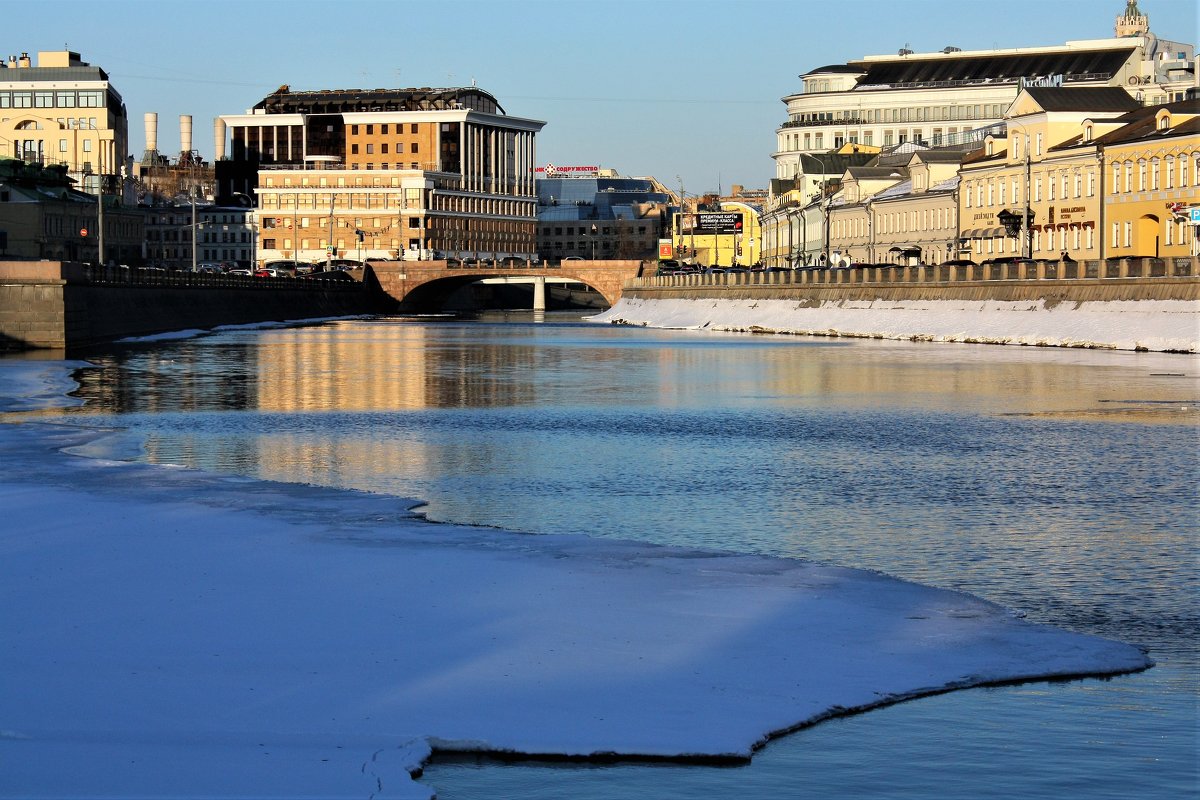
(422, 283)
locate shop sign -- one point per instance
(1072, 214)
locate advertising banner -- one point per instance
(719, 222)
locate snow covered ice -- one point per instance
(173, 633)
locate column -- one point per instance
(539, 293)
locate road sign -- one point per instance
(83, 231)
(1194, 215)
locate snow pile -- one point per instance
(1158, 325)
(169, 632)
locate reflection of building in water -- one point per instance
(391, 366)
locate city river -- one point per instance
(1061, 483)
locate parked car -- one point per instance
(573, 258)
(238, 272)
(266, 272)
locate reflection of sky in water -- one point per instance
(1023, 475)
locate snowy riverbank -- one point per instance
(1156, 325)
(174, 633)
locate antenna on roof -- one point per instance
(905, 51)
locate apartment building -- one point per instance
(64, 111)
(406, 173)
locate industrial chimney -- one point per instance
(151, 131)
(218, 139)
(185, 133)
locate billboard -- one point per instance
(719, 222)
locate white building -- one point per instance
(953, 96)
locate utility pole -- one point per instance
(100, 218)
(1026, 233)
(329, 249)
(194, 267)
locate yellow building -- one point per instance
(63, 112)
(731, 235)
(1152, 164)
(1046, 165)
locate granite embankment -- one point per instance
(56, 305)
(1142, 312)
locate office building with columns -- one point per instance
(386, 173)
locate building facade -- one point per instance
(42, 216)
(596, 214)
(63, 111)
(1082, 174)
(223, 235)
(411, 173)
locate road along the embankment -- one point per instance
(1154, 314)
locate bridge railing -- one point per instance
(93, 274)
(940, 274)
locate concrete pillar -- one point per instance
(539, 293)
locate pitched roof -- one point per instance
(993, 68)
(1083, 98)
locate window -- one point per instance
(370, 130)
(1154, 174)
(87, 145)
(354, 130)
(62, 145)
(1116, 178)
(370, 149)
(1128, 230)
(1091, 183)
(1037, 190)
(1039, 145)
(414, 147)
(1129, 176)
(413, 128)
(383, 129)
(1078, 184)
(383, 148)
(354, 149)
(22, 100)
(1141, 176)
(1170, 172)
(43, 99)
(1049, 188)
(64, 99)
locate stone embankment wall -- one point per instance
(1110, 309)
(62, 305)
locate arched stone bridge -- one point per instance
(424, 284)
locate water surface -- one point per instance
(1061, 483)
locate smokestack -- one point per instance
(151, 130)
(218, 139)
(185, 132)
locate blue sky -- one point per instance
(687, 88)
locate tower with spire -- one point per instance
(1133, 22)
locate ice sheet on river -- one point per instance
(171, 633)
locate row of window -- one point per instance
(908, 114)
(1174, 232)
(52, 99)
(369, 148)
(924, 220)
(816, 141)
(384, 128)
(1157, 173)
